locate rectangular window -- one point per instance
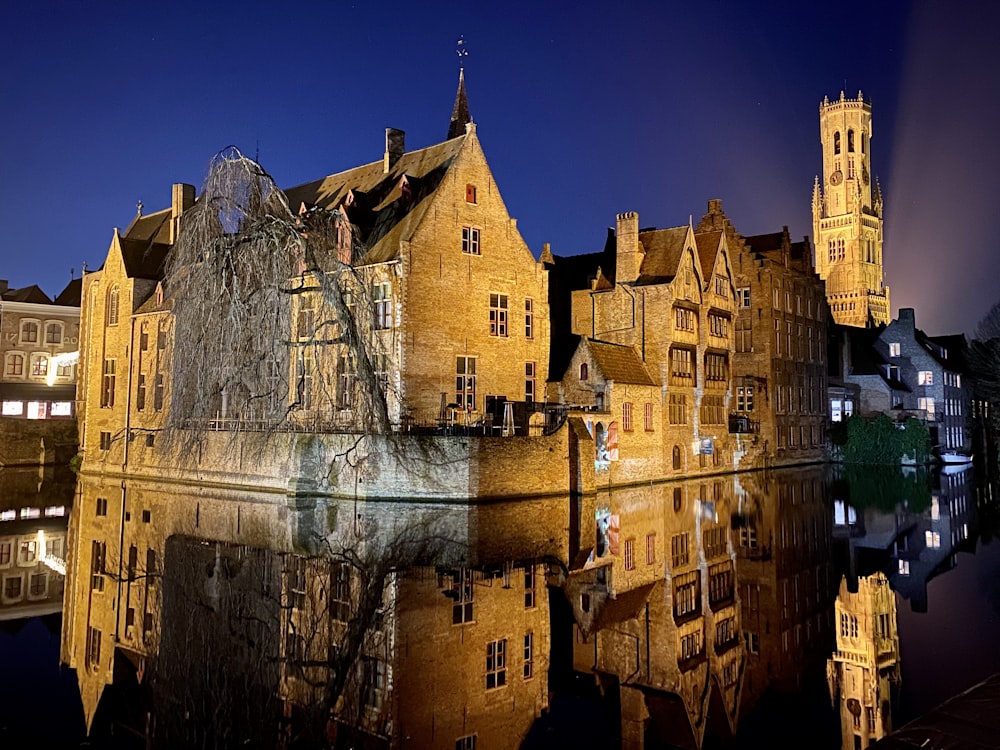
(470, 193)
(679, 554)
(725, 631)
(720, 583)
(684, 319)
(744, 334)
(470, 241)
(627, 416)
(629, 554)
(716, 367)
(98, 553)
(39, 365)
(15, 364)
(722, 286)
(894, 349)
(5, 550)
(102, 506)
(718, 325)
(677, 408)
(925, 377)
(681, 366)
(744, 398)
(158, 392)
(498, 315)
(346, 377)
(461, 594)
(529, 587)
(374, 682)
(140, 392)
(927, 404)
(647, 417)
(713, 409)
(496, 664)
(714, 541)
(93, 647)
(465, 382)
(108, 384)
(105, 441)
(650, 548)
(687, 593)
(529, 655)
(529, 318)
(340, 608)
(743, 296)
(529, 382)
(690, 645)
(382, 300)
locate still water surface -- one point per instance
(796, 540)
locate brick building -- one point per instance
(778, 404)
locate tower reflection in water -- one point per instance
(682, 609)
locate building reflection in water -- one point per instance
(281, 621)
(34, 512)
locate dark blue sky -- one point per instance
(585, 109)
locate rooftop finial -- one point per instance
(460, 115)
(138, 208)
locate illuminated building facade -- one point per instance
(847, 216)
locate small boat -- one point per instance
(953, 457)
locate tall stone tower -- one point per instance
(847, 216)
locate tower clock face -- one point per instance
(836, 178)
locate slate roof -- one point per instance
(71, 295)
(32, 294)
(663, 254)
(381, 211)
(620, 364)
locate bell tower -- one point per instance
(847, 216)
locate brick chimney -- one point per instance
(395, 147)
(182, 198)
(629, 253)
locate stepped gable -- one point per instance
(385, 207)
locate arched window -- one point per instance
(836, 142)
(583, 371)
(39, 365)
(15, 364)
(850, 141)
(863, 139)
(677, 458)
(111, 316)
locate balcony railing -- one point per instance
(742, 424)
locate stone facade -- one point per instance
(37, 338)
(847, 216)
(778, 399)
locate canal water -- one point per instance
(816, 605)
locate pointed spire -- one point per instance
(460, 112)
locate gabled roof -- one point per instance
(624, 607)
(708, 250)
(957, 347)
(32, 294)
(618, 363)
(71, 295)
(766, 243)
(382, 213)
(154, 227)
(664, 248)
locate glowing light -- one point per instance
(60, 360)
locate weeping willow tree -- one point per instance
(244, 272)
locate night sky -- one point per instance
(585, 110)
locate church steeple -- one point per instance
(460, 112)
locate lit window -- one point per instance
(925, 377)
(904, 567)
(894, 349)
(470, 241)
(39, 365)
(13, 408)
